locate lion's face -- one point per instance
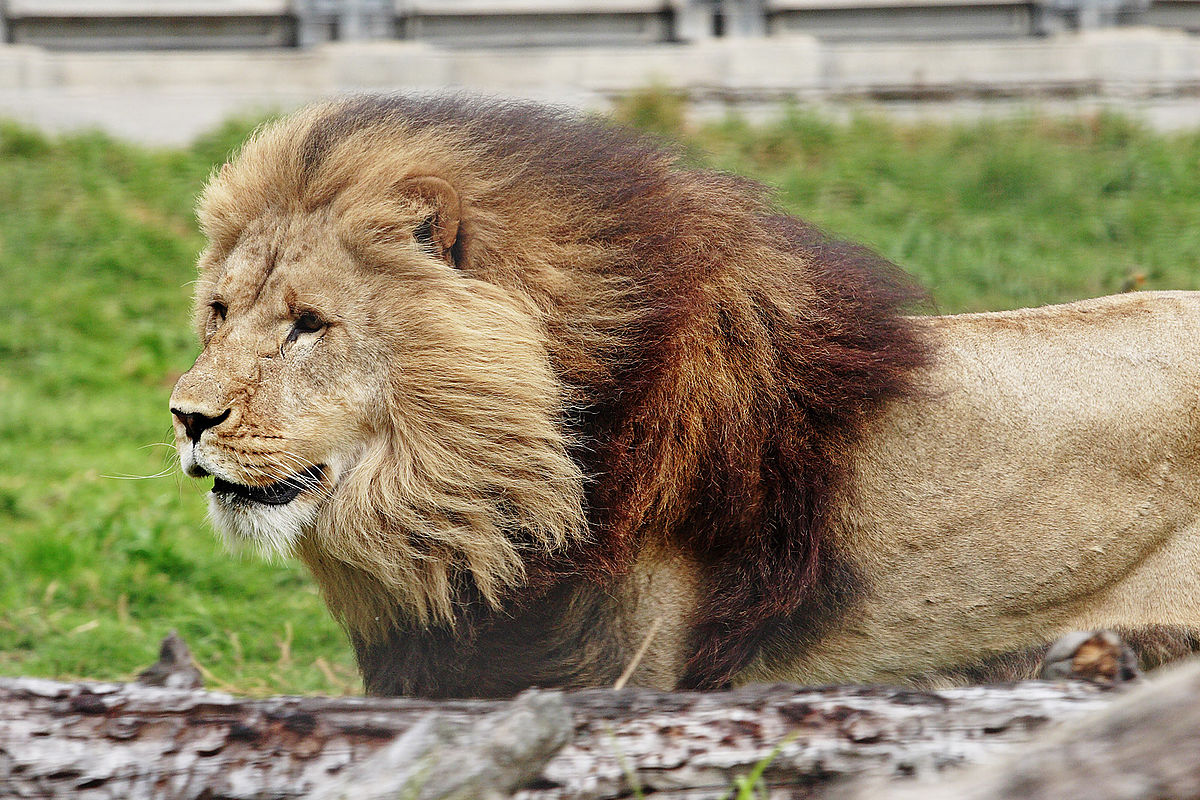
(365, 403)
(292, 383)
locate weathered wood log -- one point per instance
(444, 759)
(1144, 746)
(95, 740)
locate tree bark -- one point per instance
(1143, 746)
(96, 740)
(444, 759)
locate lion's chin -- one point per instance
(270, 520)
(271, 531)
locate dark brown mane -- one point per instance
(722, 358)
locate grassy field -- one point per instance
(97, 243)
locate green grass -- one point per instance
(995, 215)
(97, 243)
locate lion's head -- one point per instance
(359, 397)
(457, 352)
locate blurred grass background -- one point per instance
(97, 244)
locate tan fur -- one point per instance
(1048, 481)
(1042, 477)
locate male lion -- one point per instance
(523, 393)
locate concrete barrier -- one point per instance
(226, 24)
(169, 97)
(141, 25)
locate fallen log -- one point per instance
(105, 740)
(444, 759)
(1143, 746)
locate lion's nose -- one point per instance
(195, 423)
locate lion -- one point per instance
(528, 397)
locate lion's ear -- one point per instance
(439, 230)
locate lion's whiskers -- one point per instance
(297, 465)
(173, 463)
(304, 465)
(168, 471)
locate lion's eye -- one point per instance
(307, 322)
(219, 310)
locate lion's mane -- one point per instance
(712, 363)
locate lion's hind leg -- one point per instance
(1114, 656)
(1106, 657)
(1100, 657)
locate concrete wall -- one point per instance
(908, 21)
(226, 24)
(149, 24)
(169, 97)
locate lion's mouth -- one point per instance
(273, 494)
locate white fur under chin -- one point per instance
(270, 531)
